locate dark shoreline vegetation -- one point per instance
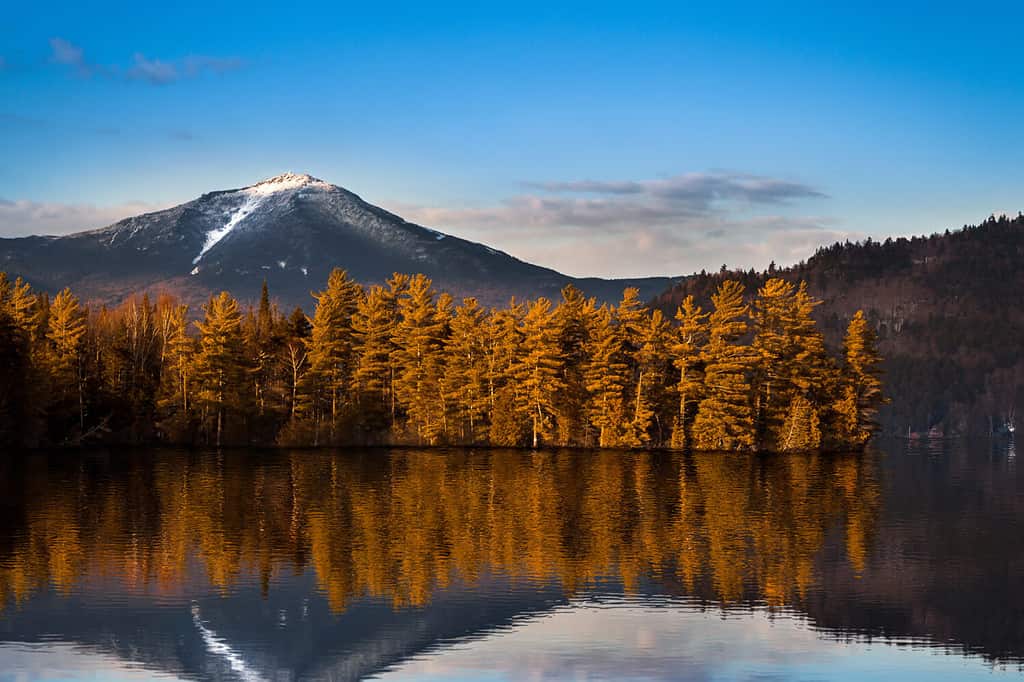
(400, 364)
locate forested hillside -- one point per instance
(948, 310)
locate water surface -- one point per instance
(493, 565)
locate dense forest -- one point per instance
(400, 364)
(948, 310)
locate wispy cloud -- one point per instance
(142, 68)
(19, 218)
(68, 54)
(646, 227)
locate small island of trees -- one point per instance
(399, 364)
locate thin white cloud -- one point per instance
(647, 227)
(23, 218)
(144, 69)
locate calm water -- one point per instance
(906, 563)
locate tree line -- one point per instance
(399, 363)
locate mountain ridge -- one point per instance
(290, 229)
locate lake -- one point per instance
(903, 563)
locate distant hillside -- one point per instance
(949, 310)
(291, 230)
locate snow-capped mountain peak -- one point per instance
(286, 181)
(253, 198)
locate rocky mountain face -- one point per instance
(290, 230)
(949, 311)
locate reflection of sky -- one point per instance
(590, 642)
(57, 662)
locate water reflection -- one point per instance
(404, 524)
(309, 564)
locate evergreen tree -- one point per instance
(331, 354)
(688, 358)
(220, 366)
(651, 399)
(374, 325)
(65, 330)
(538, 372)
(466, 383)
(605, 376)
(14, 371)
(503, 341)
(792, 361)
(176, 383)
(572, 320)
(417, 339)
(725, 416)
(861, 386)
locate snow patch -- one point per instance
(282, 264)
(195, 270)
(305, 271)
(439, 237)
(213, 236)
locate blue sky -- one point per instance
(623, 139)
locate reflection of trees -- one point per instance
(400, 525)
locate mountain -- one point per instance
(949, 311)
(290, 230)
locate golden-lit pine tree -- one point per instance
(801, 428)
(860, 393)
(793, 369)
(538, 372)
(220, 366)
(417, 339)
(725, 416)
(688, 358)
(605, 378)
(653, 371)
(503, 345)
(176, 382)
(66, 329)
(24, 307)
(14, 371)
(572, 320)
(374, 324)
(466, 371)
(326, 388)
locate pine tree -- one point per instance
(374, 325)
(466, 383)
(792, 361)
(220, 367)
(688, 358)
(573, 319)
(503, 341)
(606, 376)
(176, 382)
(417, 339)
(725, 416)
(14, 372)
(861, 388)
(538, 372)
(65, 331)
(650, 399)
(801, 428)
(331, 354)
